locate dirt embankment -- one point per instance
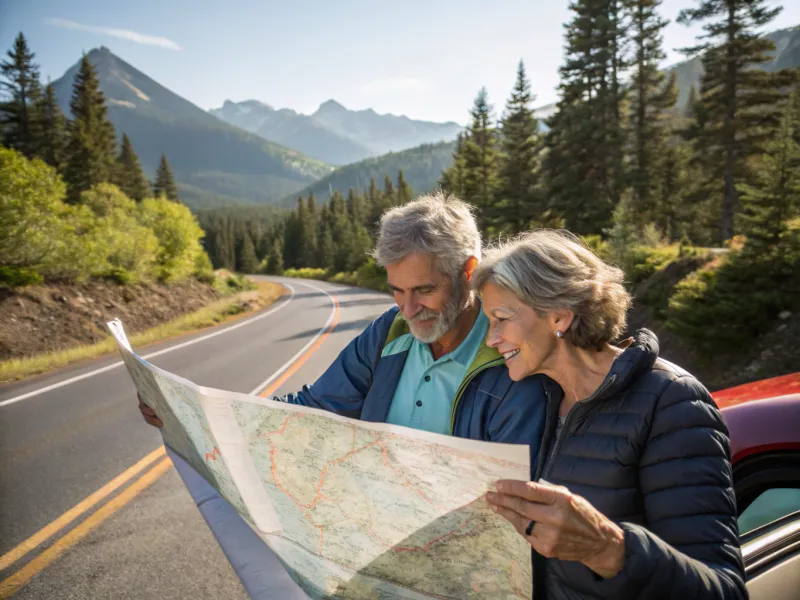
(39, 319)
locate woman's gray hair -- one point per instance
(553, 269)
(437, 224)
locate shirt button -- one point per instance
(427, 377)
(419, 402)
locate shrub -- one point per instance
(306, 273)
(18, 276)
(30, 211)
(178, 235)
(736, 297)
(129, 246)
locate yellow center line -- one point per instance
(13, 555)
(37, 565)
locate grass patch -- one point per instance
(264, 294)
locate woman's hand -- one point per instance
(565, 526)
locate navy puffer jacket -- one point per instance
(650, 451)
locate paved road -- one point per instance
(62, 445)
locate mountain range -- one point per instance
(333, 133)
(214, 162)
(251, 153)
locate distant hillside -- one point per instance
(212, 160)
(293, 130)
(334, 133)
(421, 166)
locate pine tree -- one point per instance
(20, 121)
(404, 192)
(310, 226)
(585, 144)
(356, 207)
(742, 104)
(91, 148)
(651, 98)
(775, 198)
(452, 179)
(275, 257)
(247, 261)
(519, 195)
(388, 190)
(480, 161)
(378, 204)
(129, 175)
(52, 147)
(165, 182)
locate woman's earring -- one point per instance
(559, 334)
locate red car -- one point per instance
(764, 423)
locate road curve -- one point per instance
(145, 537)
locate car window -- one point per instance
(769, 506)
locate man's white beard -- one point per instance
(445, 320)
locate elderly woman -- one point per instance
(634, 495)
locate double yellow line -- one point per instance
(151, 474)
(17, 580)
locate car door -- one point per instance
(768, 497)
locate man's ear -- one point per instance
(469, 267)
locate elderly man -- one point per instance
(423, 364)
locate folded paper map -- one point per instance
(352, 509)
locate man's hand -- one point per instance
(149, 414)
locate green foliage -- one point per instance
(306, 273)
(18, 276)
(128, 245)
(30, 211)
(178, 235)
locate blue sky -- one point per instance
(422, 58)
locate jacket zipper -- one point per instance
(568, 421)
(464, 385)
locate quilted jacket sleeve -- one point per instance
(690, 547)
(343, 386)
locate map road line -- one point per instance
(49, 530)
(10, 585)
(277, 379)
(153, 354)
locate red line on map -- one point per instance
(213, 455)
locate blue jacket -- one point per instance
(488, 405)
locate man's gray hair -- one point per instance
(437, 224)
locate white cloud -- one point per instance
(124, 34)
(394, 84)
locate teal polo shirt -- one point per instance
(425, 393)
